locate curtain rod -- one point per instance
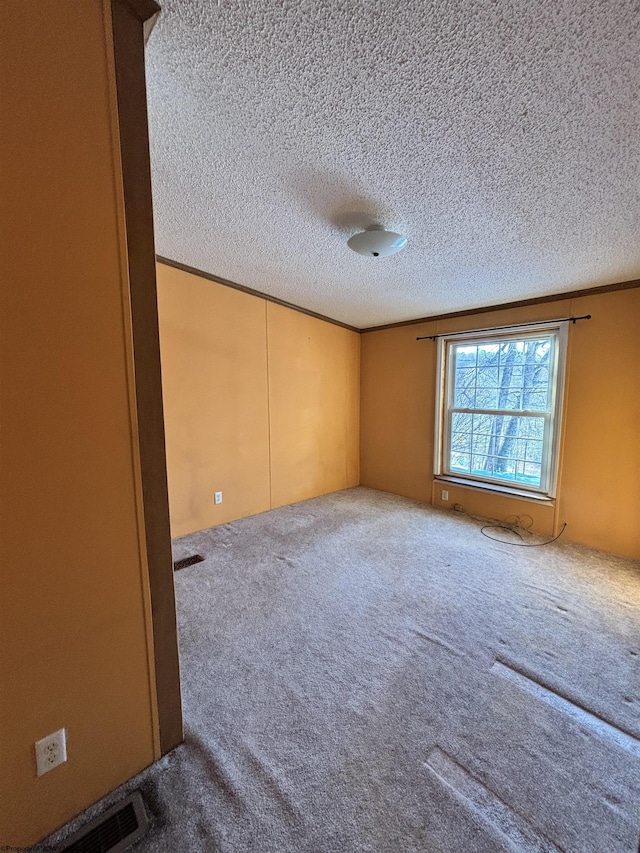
(573, 320)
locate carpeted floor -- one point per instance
(364, 673)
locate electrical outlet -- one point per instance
(218, 497)
(51, 751)
(444, 495)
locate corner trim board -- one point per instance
(143, 9)
(128, 47)
(522, 303)
(485, 309)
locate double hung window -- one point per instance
(501, 398)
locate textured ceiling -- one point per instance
(501, 136)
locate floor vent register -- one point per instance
(113, 830)
(187, 561)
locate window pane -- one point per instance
(482, 465)
(465, 356)
(532, 473)
(511, 400)
(487, 376)
(542, 374)
(503, 447)
(461, 422)
(512, 375)
(531, 428)
(460, 462)
(461, 442)
(482, 424)
(480, 443)
(464, 396)
(512, 354)
(537, 400)
(488, 355)
(487, 397)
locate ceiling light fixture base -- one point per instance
(376, 242)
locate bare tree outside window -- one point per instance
(500, 408)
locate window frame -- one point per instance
(553, 417)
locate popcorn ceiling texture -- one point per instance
(500, 137)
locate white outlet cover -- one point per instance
(218, 497)
(445, 495)
(51, 751)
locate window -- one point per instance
(501, 397)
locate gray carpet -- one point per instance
(364, 673)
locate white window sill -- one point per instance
(523, 494)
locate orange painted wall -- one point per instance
(599, 490)
(397, 386)
(600, 495)
(261, 402)
(214, 376)
(75, 650)
(314, 395)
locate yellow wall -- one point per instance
(74, 589)
(214, 378)
(261, 402)
(599, 486)
(600, 494)
(314, 406)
